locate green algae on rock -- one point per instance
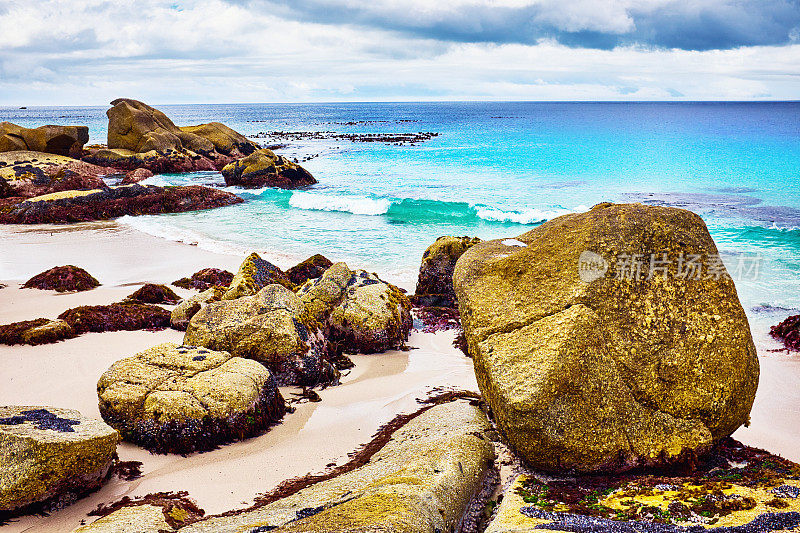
(181, 399)
(735, 486)
(62, 279)
(422, 480)
(271, 327)
(254, 274)
(265, 169)
(613, 372)
(435, 280)
(49, 454)
(186, 309)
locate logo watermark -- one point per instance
(642, 267)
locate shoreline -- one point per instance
(317, 434)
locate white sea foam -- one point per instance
(525, 216)
(358, 205)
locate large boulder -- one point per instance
(265, 169)
(271, 327)
(60, 140)
(180, 399)
(155, 161)
(361, 312)
(425, 479)
(186, 309)
(225, 140)
(49, 454)
(62, 279)
(27, 174)
(435, 281)
(112, 202)
(595, 370)
(311, 268)
(254, 274)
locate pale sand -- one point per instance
(65, 375)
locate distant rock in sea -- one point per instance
(265, 169)
(598, 346)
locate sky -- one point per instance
(54, 52)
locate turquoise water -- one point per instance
(497, 169)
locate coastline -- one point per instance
(316, 435)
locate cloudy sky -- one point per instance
(174, 51)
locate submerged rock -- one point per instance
(608, 371)
(435, 281)
(27, 174)
(60, 140)
(62, 279)
(186, 309)
(48, 455)
(126, 316)
(271, 327)
(254, 274)
(265, 169)
(181, 399)
(151, 293)
(38, 331)
(422, 480)
(736, 489)
(112, 202)
(361, 312)
(206, 278)
(311, 268)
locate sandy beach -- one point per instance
(315, 435)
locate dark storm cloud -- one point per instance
(686, 24)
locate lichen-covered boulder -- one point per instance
(421, 481)
(265, 169)
(62, 279)
(154, 161)
(205, 279)
(271, 327)
(38, 331)
(605, 371)
(363, 313)
(180, 399)
(133, 519)
(435, 280)
(225, 140)
(186, 309)
(254, 274)
(150, 293)
(60, 140)
(27, 174)
(47, 454)
(311, 268)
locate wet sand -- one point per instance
(316, 434)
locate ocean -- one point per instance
(497, 170)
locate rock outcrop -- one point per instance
(62, 279)
(254, 274)
(225, 140)
(151, 293)
(135, 176)
(49, 454)
(159, 162)
(186, 309)
(271, 327)
(134, 519)
(593, 370)
(181, 399)
(59, 140)
(265, 169)
(435, 281)
(34, 332)
(423, 480)
(205, 279)
(736, 489)
(26, 174)
(112, 202)
(362, 313)
(311, 268)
